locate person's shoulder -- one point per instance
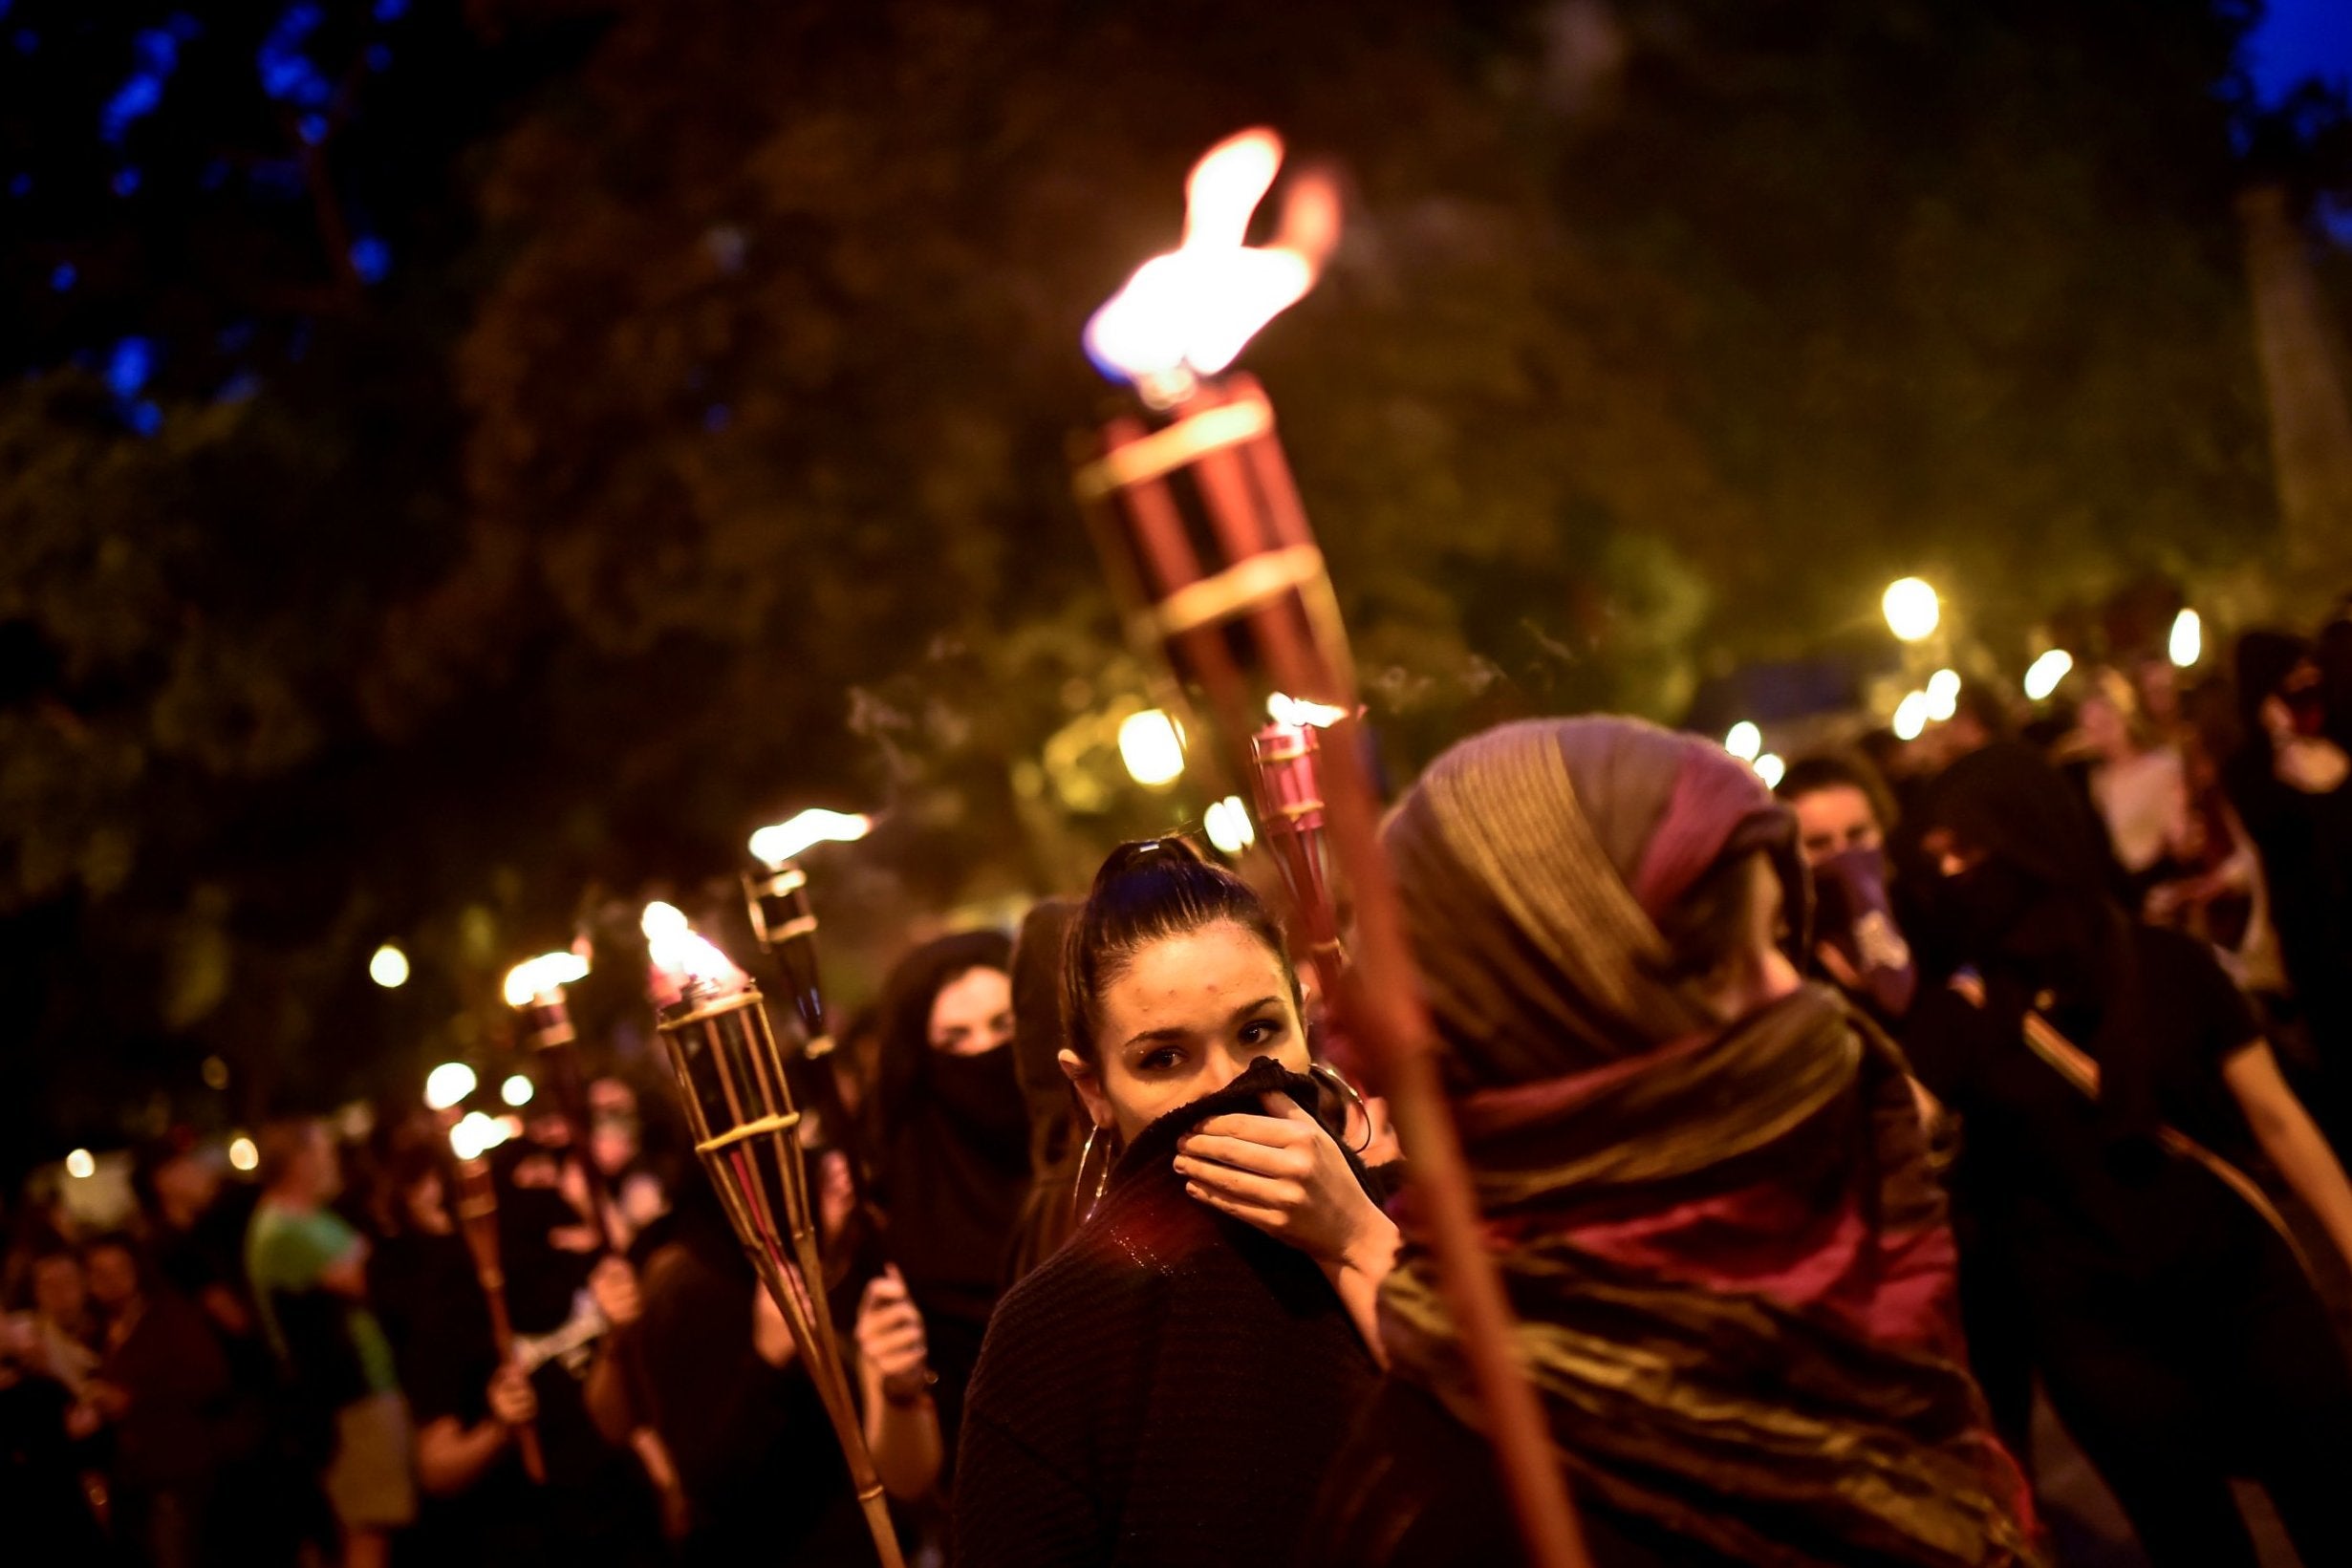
(2173, 962)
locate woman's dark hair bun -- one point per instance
(1148, 891)
(1145, 854)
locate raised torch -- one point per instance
(1202, 534)
(746, 1129)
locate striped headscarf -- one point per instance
(1725, 1247)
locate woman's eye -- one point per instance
(1161, 1060)
(1260, 1032)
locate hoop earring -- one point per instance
(1082, 1200)
(1348, 1092)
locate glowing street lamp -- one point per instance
(2043, 675)
(1771, 770)
(1943, 695)
(1152, 748)
(2187, 644)
(389, 967)
(1910, 716)
(1228, 825)
(1912, 609)
(81, 1165)
(243, 1154)
(1745, 741)
(447, 1086)
(517, 1090)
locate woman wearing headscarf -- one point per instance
(951, 1143)
(2111, 1085)
(1705, 1183)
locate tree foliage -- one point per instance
(706, 453)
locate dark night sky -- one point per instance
(2300, 39)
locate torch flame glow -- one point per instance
(1297, 711)
(534, 978)
(682, 956)
(1191, 312)
(788, 841)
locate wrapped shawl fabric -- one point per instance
(1728, 1256)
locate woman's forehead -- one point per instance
(1197, 966)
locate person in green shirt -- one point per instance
(309, 1273)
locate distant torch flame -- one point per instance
(536, 977)
(784, 842)
(1190, 312)
(681, 956)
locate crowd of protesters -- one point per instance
(1814, 1137)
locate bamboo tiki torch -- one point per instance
(746, 1129)
(784, 918)
(470, 1140)
(1287, 786)
(536, 989)
(1202, 534)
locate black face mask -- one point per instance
(981, 1094)
(1988, 905)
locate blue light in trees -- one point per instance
(125, 182)
(380, 56)
(62, 277)
(717, 418)
(134, 101)
(128, 366)
(391, 11)
(20, 185)
(145, 418)
(158, 52)
(238, 387)
(312, 128)
(287, 73)
(26, 41)
(371, 258)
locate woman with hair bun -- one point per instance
(1169, 1386)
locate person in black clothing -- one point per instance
(479, 1505)
(2292, 786)
(2168, 1320)
(1169, 1385)
(164, 1388)
(951, 1137)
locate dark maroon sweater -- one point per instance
(1167, 1389)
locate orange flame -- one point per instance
(1190, 312)
(681, 956)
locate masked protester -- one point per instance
(1167, 1386)
(1842, 813)
(951, 1141)
(1704, 1182)
(2111, 1084)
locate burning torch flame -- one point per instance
(776, 846)
(681, 956)
(1190, 312)
(535, 978)
(1299, 713)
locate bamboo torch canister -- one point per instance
(746, 1130)
(477, 1214)
(1288, 784)
(1202, 531)
(784, 920)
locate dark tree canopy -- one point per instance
(593, 429)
